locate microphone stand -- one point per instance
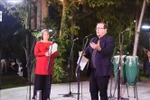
(78, 68)
(50, 52)
(119, 67)
(111, 96)
(28, 65)
(70, 94)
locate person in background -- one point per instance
(3, 66)
(99, 51)
(44, 70)
(148, 63)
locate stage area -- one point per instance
(58, 90)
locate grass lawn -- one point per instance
(12, 80)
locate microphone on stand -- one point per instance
(126, 30)
(75, 39)
(88, 35)
(54, 35)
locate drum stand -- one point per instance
(124, 82)
(135, 90)
(112, 96)
(119, 96)
(117, 83)
(118, 70)
(119, 77)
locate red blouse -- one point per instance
(41, 60)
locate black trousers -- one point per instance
(43, 83)
(98, 84)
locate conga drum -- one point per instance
(132, 69)
(116, 64)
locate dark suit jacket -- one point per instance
(103, 57)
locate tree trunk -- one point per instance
(42, 12)
(137, 13)
(39, 12)
(33, 18)
(136, 40)
(62, 16)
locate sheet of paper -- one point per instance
(83, 62)
(53, 48)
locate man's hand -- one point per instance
(95, 46)
(81, 53)
(148, 54)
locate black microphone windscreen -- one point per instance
(88, 35)
(54, 34)
(75, 39)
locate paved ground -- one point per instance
(58, 90)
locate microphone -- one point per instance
(88, 35)
(126, 30)
(75, 39)
(53, 35)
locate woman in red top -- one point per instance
(44, 65)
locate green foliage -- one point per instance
(60, 60)
(19, 11)
(51, 23)
(74, 30)
(58, 70)
(98, 3)
(80, 18)
(36, 34)
(62, 42)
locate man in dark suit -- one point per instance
(99, 51)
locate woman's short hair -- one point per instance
(43, 32)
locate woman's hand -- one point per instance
(47, 54)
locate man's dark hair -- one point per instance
(105, 25)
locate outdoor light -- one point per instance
(50, 30)
(14, 1)
(146, 27)
(0, 16)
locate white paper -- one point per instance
(53, 48)
(83, 62)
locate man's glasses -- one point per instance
(99, 28)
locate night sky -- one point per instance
(9, 23)
(8, 27)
